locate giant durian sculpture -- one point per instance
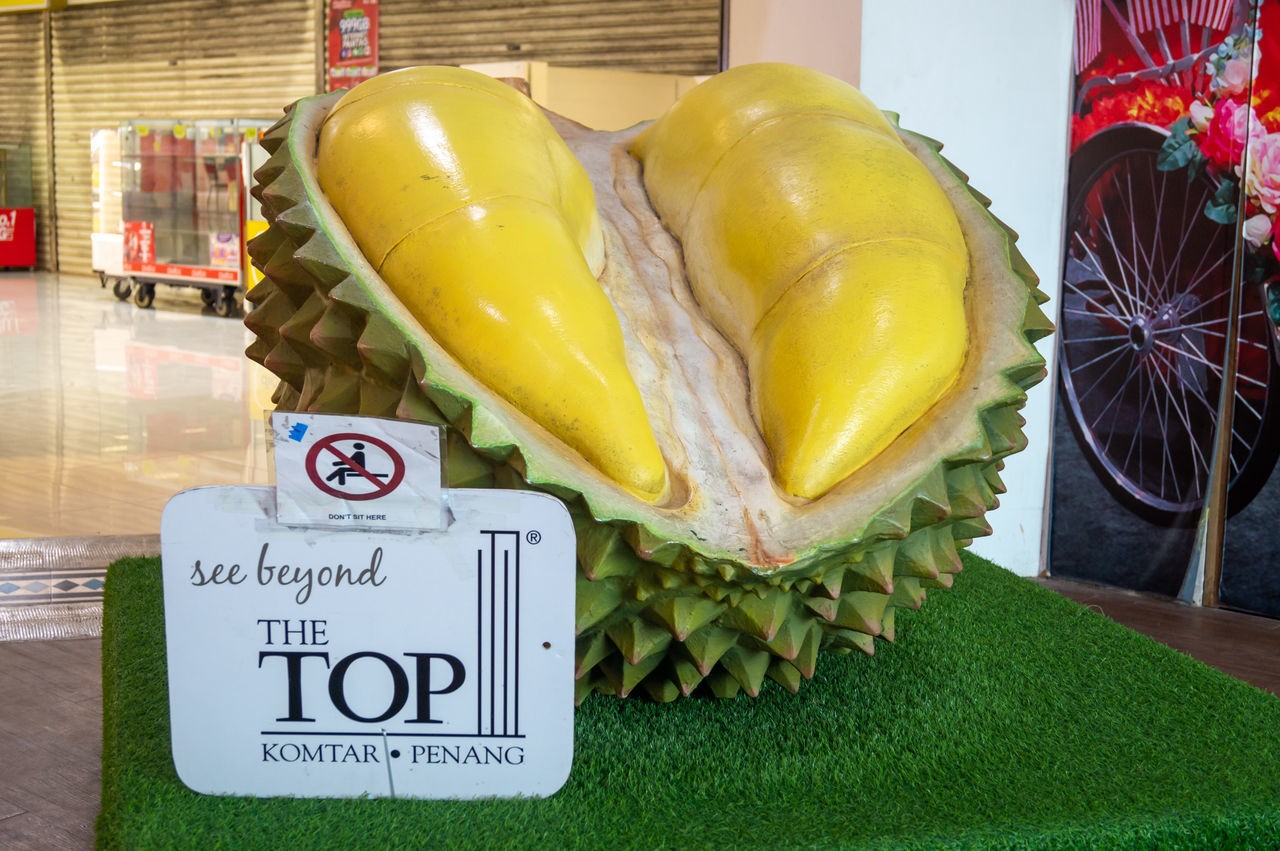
(769, 350)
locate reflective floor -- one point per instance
(107, 410)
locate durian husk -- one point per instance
(682, 596)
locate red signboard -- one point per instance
(353, 43)
(173, 270)
(17, 236)
(139, 243)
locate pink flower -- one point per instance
(1234, 77)
(1223, 142)
(1263, 180)
(1257, 229)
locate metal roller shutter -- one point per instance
(166, 59)
(22, 110)
(665, 36)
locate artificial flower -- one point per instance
(1257, 229)
(1149, 102)
(1234, 77)
(1263, 179)
(1200, 113)
(1223, 141)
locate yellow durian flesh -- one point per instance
(824, 251)
(475, 213)
(818, 417)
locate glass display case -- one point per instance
(157, 184)
(183, 194)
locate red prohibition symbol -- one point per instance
(352, 466)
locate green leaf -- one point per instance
(1179, 150)
(1221, 208)
(1196, 166)
(1259, 265)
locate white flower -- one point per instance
(1201, 112)
(1257, 229)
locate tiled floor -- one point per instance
(107, 410)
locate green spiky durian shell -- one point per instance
(655, 612)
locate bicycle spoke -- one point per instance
(1115, 396)
(1182, 329)
(1105, 339)
(1137, 432)
(1115, 418)
(1235, 462)
(1081, 397)
(1222, 320)
(1121, 265)
(1197, 454)
(1197, 392)
(1231, 456)
(1160, 407)
(1157, 248)
(1184, 415)
(1166, 457)
(1108, 353)
(1134, 248)
(1217, 370)
(1196, 212)
(1142, 464)
(1134, 306)
(1183, 412)
(1141, 283)
(1107, 313)
(1075, 311)
(1239, 376)
(1097, 262)
(1182, 228)
(1199, 276)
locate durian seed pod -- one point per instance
(656, 614)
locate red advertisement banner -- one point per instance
(17, 236)
(199, 273)
(139, 242)
(353, 43)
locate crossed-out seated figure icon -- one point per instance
(344, 469)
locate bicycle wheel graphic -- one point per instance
(1142, 333)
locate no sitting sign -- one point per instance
(344, 661)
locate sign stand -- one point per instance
(355, 655)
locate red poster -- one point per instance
(1173, 212)
(139, 242)
(353, 43)
(17, 237)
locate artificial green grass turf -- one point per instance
(1004, 716)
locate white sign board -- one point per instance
(356, 472)
(318, 662)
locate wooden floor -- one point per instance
(51, 706)
(1245, 646)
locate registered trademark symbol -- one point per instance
(533, 537)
